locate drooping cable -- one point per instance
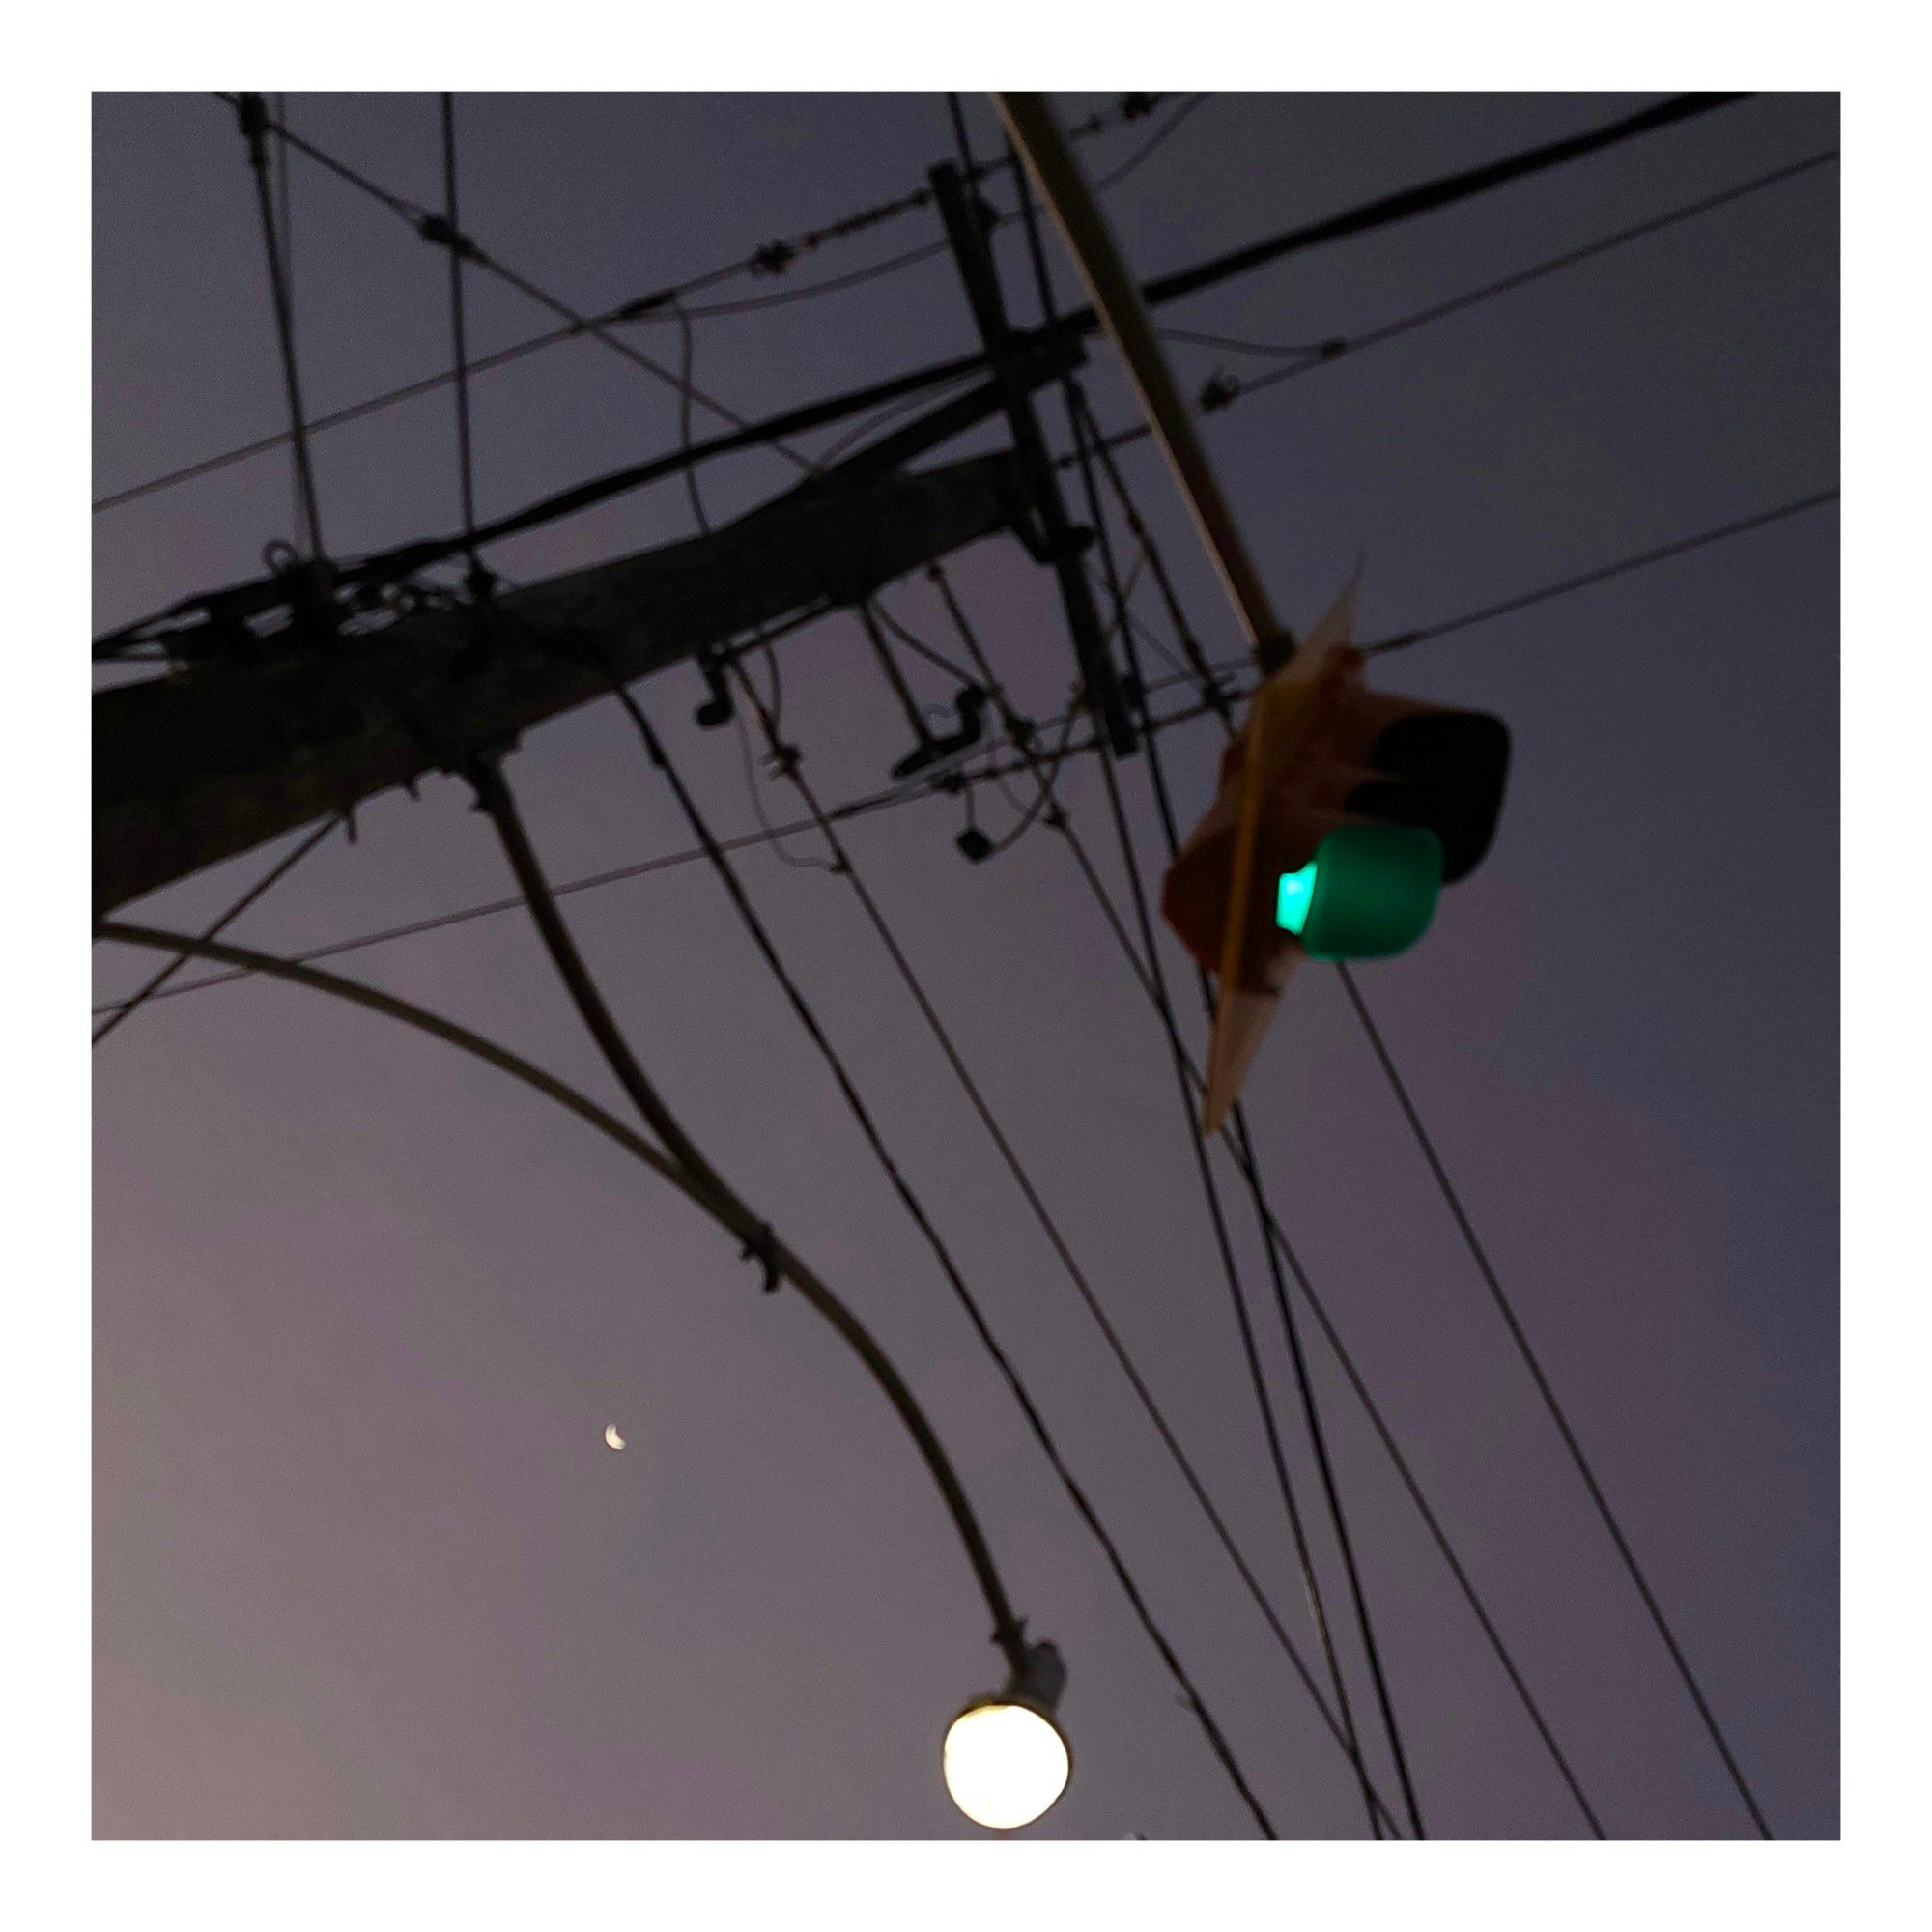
(843, 866)
(1425, 198)
(280, 869)
(1244, 1148)
(1304, 1556)
(1081, 422)
(1214, 672)
(1816, 499)
(699, 1185)
(1149, 147)
(942, 1254)
(646, 307)
(465, 462)
(252, 114)
(1557, 1414)
(1300, 358)
(1117, 927)
(642, 868)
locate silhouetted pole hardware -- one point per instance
(198, 767)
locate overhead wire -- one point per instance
(1682, 546)
(1425, 197)
(647, 306)
(255, 123)
(1082, 426)
(1214, 672)
(1513, 1323)
(1403, 642)
(1345, 1358)
(844, 866)
(1241, 1133)
(126, 1009)
(465, 462)
(1148, 149)
(1303, 357)
(941, 1253)
(895, 796)
(1304, 1556)
(1422, 198)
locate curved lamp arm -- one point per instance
(702, 1189)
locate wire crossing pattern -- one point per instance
(691, 1172)
(1513, 1325)
(844, 866)
(1209, 675)
(1080, 422)
(914, 1206)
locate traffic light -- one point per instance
(1342, 813)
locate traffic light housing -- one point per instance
(1342, 812)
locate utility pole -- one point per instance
(1119, 302)
(1050, 535)
(197, 767)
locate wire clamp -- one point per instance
(434, 229)
(1217, 393)
(763, 1249)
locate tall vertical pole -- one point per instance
(1117, 300)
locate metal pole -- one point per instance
(1117, 300)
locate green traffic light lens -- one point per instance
(1370, 891)
(1295, 897)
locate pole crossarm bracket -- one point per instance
(198, 767)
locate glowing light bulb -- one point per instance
(1004, 1764)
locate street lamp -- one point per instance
(1006, 1760)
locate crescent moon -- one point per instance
(611, 1438)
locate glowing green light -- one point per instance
(1369, 890)
(1293, 900)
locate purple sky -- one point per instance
(363, 1308)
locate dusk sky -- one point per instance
(363, 1308)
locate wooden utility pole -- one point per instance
(198, 767)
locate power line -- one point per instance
(1243, 1159)
(439, 233)
(153, 989)
(1075, 402)
(252, 114)
(942, 1254)
(1641, 561)
(1363, 219)
(1530, 1361)
(898, 795)
(465, 464)
(844, 866)
(1083, 426)
(1157, 140)
(770, 257)
(1221, 391)
(1211, 672)
(1240, 1143)
(1334, 349)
